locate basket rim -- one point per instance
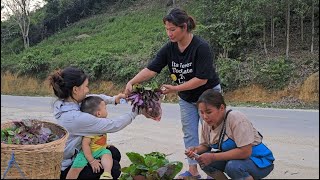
(66, 135)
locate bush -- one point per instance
(271, 73)
(274, 74)
(108, 67)
(35, 64)
(8, 64)
(228, 70)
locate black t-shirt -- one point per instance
(195, 61)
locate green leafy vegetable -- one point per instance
(150, 166)
(24, 132)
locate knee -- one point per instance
(106, 156)
(209, 169)
(116, 155)
(205, 168)
(234, 169)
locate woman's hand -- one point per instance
(128, 89)
(205, 159)
(166, 88)
(96, 165)
(190, 152)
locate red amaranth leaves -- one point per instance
(24, 132)
(148, 99)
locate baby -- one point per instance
(93, 147)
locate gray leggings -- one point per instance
(239, 169)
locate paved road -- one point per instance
(272, 121)
(292, 135)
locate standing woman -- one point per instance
(70, 85)
(190, 62)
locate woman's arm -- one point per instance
(144, 75)
(201, 149)
(191, 84)
(106, 98)
(87, 125)
(198, 150)
(237, 153)
(110, 99)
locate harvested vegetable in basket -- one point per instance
(24, 132)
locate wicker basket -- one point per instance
(42, 161)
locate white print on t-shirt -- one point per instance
(180, 80)
(181, 69)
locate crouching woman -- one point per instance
(229, 142)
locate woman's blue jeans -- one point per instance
(190, 123)
(239, 169)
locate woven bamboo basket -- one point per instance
(41, 161)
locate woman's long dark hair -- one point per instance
(178, 17)
(63, 81)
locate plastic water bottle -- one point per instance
(123, 101)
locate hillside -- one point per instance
(114, 45)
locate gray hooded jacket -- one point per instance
(80, 124)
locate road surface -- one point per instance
(292, 135)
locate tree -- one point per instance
(312, 19)
(274, 8)
(288, 29)
(19, 11)
(301, 9)
(264, 9)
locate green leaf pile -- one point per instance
(152, 166)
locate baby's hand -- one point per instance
(96, 165)
(118, 97)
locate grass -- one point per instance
(120, 34)
(22, 85)
(14, 85)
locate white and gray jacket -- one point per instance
(80, 124)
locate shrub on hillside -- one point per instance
(270, 73)
(35, 64)
(274, 73)
(109, 67)
(228, 70)
(235, 73)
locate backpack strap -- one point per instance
(223, 131)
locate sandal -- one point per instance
(187, 174)
(209, 177)
(106, 175)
